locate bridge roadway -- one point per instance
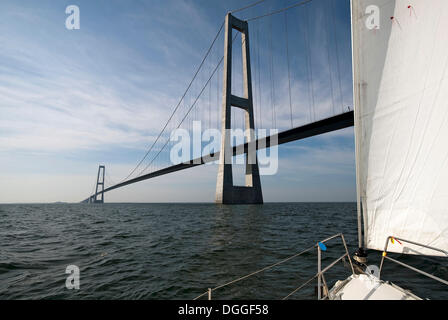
(341, 121)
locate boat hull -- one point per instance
(365, 287)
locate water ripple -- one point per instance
(177, 251)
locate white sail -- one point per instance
(400, 61)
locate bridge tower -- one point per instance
(226, 192)
(99, 182)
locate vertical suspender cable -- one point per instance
(218, 107)
(289, 72)
(209, 105)
(271, 74)
(327, 37)
(94, 185)
(309, 63)
(337, 55)
(259, 75)
(255, 71)
(180, 101)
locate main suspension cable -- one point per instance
(248, 6)
(189, 110)
(280, 10)
(179, 103)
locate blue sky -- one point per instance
(72, 99)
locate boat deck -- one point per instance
(365, 287)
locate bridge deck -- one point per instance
(334, 123)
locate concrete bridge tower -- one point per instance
(99, 182)
(226, 192)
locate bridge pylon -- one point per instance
(98, 197)
(226, 192)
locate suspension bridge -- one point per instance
(272, 78)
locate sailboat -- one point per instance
(400, 88)
(400, 85)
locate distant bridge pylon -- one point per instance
(98, 196)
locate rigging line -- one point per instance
(280, 10)
(248, 6)
(337, 55)
(258, 271)
(183, 96)
(327, 38)
(300, 287)
(289, 72)
(191, 107)
(265, 268)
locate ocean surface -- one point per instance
(177, 251)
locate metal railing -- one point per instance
(406, 265)
(319, 275)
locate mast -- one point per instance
(356, 101)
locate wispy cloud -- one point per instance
(105, 91)
(81, 95)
